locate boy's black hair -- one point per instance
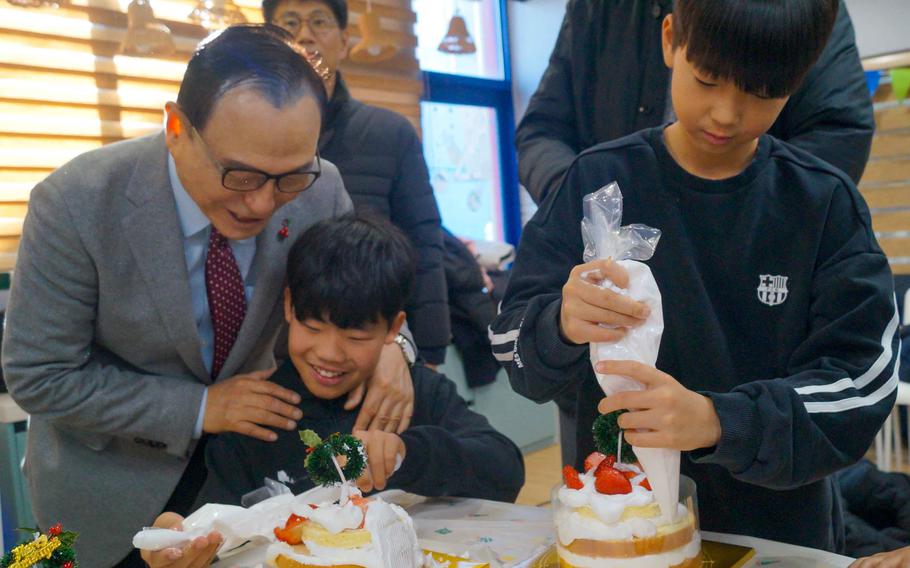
(338, 7)
(765, 47)
(259, 56)
(350, 271)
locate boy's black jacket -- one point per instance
(451, 451)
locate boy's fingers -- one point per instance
(609, 300)
(600, 334)
(623, 401)
(602, 269)
(391, 455)
(377, 464)
(640, 420)
(169, 520)
(648, 439)
(645, 374)
(595, 315)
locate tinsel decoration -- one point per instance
(606, 431)
(53, 549)
(347, 449)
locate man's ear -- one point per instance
(175, 123)
(666, 40)
(288, 307)
(395, 327)
(346, 44)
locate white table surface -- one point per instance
(453, 525)
(10, 411)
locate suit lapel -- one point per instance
(152, 229)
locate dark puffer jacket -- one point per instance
(381, 162)
(607, 79)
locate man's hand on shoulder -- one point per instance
(383, 450)
(389, 402)
(248, 404)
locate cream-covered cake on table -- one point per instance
(609, 517)
(359, 533)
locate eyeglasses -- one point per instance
(319, 24)
(243, 180)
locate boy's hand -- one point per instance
(197, 554)
(245, 403)
(389, 392)
(383, 450)
(899, 558)
(665, 414)
(585, 305)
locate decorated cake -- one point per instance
(353, 532)
(359, 533)
(607, 516)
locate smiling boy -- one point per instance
(348, 281)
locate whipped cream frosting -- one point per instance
(571, 524)
(337, 518)
(393, 544)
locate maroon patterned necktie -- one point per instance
(227, 302)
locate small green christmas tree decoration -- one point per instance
(606, 434)
(348, 452)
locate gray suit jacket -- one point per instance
(101, 348)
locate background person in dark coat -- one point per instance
(381, 162)
(606, 79)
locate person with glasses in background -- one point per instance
(381, 161)
(146, 298)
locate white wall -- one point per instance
(533, 27)
(882, 26)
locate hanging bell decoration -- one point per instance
(145, 35)
(216, 15)
(375, 44)
(457, 41)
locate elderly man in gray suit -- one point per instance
(145, 300)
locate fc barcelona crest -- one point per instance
(772, 290)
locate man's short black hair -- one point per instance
(765, 47)
(260, 56)
(350, 271)
(338, 7)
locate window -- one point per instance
(467, 117)
(483, 23)
(461, 145)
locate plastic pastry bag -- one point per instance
(604, 237)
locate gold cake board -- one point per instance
(713, 555)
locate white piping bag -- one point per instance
(605, 238)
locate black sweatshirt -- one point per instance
(381, 162)
(606, 79)
(450, 450)
(801, 382)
